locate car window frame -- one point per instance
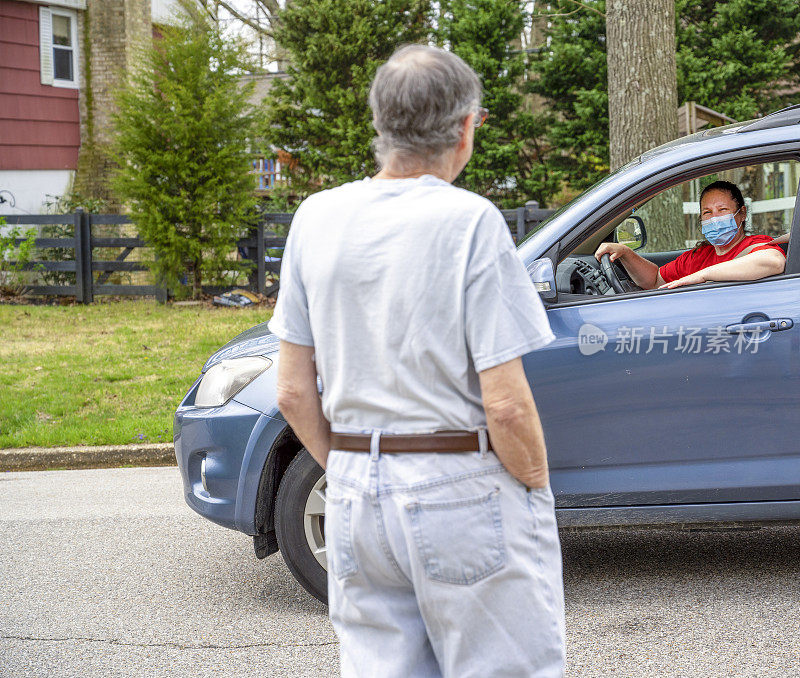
(793, 246)
(664, 178)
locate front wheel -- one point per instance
(300, 524)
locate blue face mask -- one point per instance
(721, 230)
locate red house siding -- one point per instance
(39, 124)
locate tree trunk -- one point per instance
(643, 100)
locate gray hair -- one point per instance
(419, 99)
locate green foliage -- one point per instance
(281, 198)
(182, 132)
(505, 164)
(15, 258)
(571, 76)
(734, 57)
(71, 202)
(320, 113)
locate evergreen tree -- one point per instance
(735, 57)
(571, 76)
(319, 114)
(505, 165)
(182, 131)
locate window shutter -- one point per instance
(46, 45)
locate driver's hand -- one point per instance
(615, 250)
(691, 279)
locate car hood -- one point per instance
(257, 340)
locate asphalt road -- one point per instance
(108, 573)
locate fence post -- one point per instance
(520, 223)
(261, 284)
(83, 258)
(88, 278)
(80, 297)
(530, 206)
(161, 294)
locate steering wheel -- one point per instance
(611, 275)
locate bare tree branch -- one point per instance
(191, 8)
(270, 6)
(591, 9)
(241, 17)
(574, 11)
(580, 6)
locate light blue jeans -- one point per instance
(441, 565)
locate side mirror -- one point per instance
(631, 232)
(544, 277)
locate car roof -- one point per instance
(782, 118)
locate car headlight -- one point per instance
(227, 378)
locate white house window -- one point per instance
(58, 39)
(63, 48)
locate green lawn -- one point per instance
(107, 373)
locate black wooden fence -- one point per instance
(523, 220)
(82, 242)
(86, 239)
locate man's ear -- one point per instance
(466, 128)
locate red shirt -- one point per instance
(704, 256)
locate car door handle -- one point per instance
(775, 325)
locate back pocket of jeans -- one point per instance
(459, 541)
(339, 536)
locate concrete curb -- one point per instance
(105, 456)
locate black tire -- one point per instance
(294, 493)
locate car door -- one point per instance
(690, 396)
(673, 396)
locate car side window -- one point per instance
(668, 224)
(665, 221)
(672, 218)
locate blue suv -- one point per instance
(660, 407)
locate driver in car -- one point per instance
(725, 254)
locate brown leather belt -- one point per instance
(441, 441)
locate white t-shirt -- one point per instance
(406, 288)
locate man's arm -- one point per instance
(514, 426)
(753, 266)
(643, 272)
(299, 401)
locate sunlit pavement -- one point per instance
(108, 573)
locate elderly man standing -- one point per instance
(406, 297)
